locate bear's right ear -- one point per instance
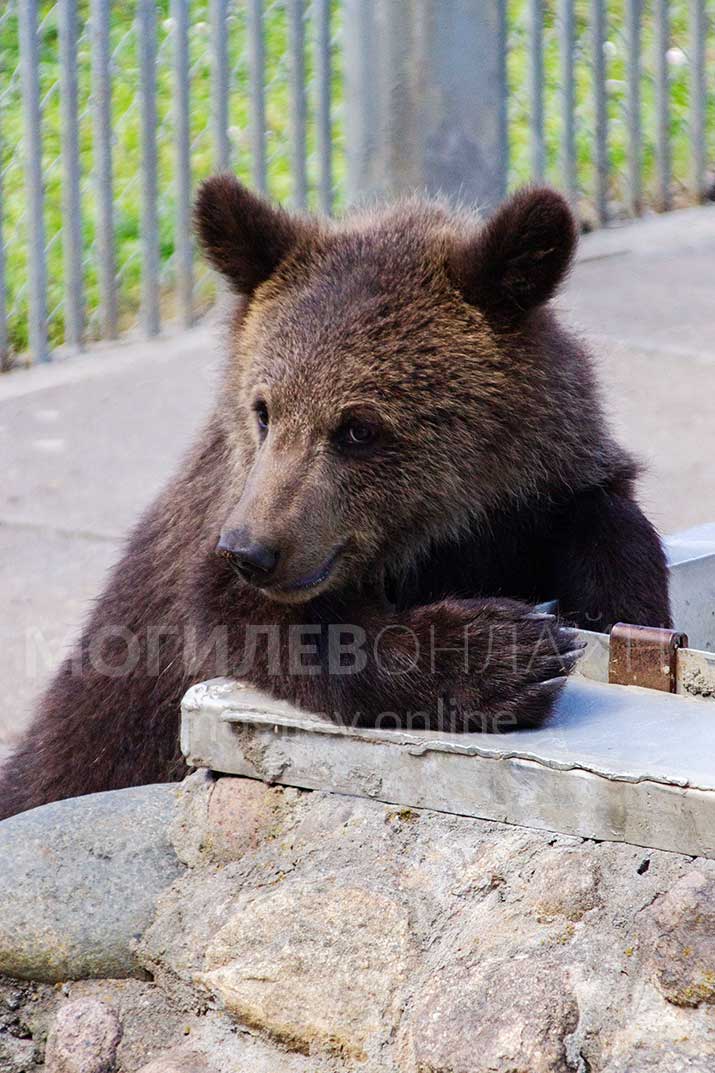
(520, 256)
(242, 234)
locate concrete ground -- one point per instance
(86, 442)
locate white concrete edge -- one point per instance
(694, 227)
(514, 791)
(265, 714)
(103, 359)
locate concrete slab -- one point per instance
(692, 584)
(615, 763)
(647, 283)
(655, 234)
(47, 580)
(641, 296)
(663, 410)
(86, 442)
(86, 451)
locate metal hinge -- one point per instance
(644, 656)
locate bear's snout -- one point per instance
(255, 561)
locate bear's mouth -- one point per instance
(311, 581)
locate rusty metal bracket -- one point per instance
(644, 656)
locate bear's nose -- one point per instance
(255, 561)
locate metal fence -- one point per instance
(111, 112)
(611, 101)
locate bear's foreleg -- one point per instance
(610, 564)
(453, 665)
(95, 731)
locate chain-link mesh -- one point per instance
(14, 213)
(126, 145)
(283, 119)
(620, 61)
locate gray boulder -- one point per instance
(79, 882)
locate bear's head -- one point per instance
(393, 376)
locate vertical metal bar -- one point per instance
(698, 95)
(257, 65)
(4, 341)
(502, 45)
(598, 18)
(662, 102)
(146, 28)
(32, 118)
(361, 92)
(633, 106)
(220, 84)
(296, 49)
(402, 123)
(323, 75)
(567, 33)
(536, 87)
(71, 205)
(183, 244)
(102, 129)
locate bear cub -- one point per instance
(407, 453)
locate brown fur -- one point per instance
(491, 481)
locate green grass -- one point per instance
(126, 144)
(616, 74)
(126, 150)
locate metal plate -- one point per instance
(644, 656)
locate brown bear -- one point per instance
(407, 454)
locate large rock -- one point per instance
(314, 933)
(408, 941)
(681, 937)
(508, 1015)
(220, 820)
(80, 880)
(313, 965)
(655, 1037)
(84, 1038)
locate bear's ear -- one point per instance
(242, 234)
(520, 256)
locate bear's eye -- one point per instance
(356, 434)
(262, 415)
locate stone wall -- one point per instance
(309, 933)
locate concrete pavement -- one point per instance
(643, 297)
(85, 446)
(86, 443)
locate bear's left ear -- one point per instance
(520, 256)
(243, 235)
